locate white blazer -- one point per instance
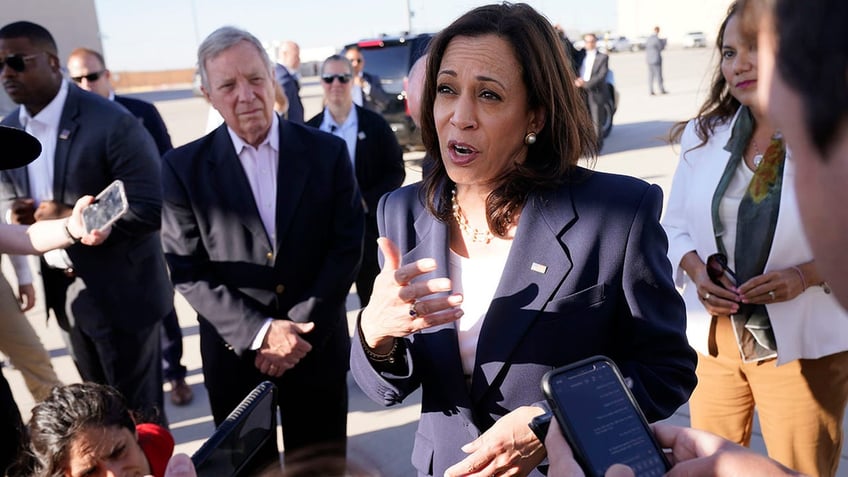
(811, 325)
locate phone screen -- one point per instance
(601, 419)
(107, 207)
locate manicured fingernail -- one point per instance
(455, 299)
(427, 263)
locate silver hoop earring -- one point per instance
(530, 138)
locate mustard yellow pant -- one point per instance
(800, 404)
(20, 342)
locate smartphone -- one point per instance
(601, 420)
(109, 205)
(231, 448)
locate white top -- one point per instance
(45, 127)
(809, 326)
(728, 209)
(477, 280)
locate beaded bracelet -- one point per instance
(377, 357)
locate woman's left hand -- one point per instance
(509, 447)
(772, 287)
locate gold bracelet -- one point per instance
(374, 356)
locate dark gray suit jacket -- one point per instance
(220, 256)
(291, 88)
(99, 142)
(587, 274)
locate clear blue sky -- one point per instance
(141, 35)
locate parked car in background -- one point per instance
(615, 44)
(695, 39)
(638, 43)
(390, 57)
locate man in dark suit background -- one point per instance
(262, 228)
(87, 68)
(288, 75)
(110, 299)
(367, 90)
(591, 79)
(377, 156)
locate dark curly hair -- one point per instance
(57, 420)
(567, 135)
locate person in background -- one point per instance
(111, 299)
(592, 81)
(87, 69)
(287, 73)
(803, 86)
(654, 45)
(367, 90)
(769, 336)
(415, 89)
(19, 148)
(262, 227)
(87, 429)
(373, 147)
(509, 259)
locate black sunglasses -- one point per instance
(717, 267)
(343, 79)
(17, 62)
(91, 77)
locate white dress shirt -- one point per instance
(588, 64)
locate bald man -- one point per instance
(288, 75)
(415, 88)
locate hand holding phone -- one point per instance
(601, 420)
(107, 207)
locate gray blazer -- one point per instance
(653, 48)
(587, 274)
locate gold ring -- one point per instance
(771, 294)
(707, 296)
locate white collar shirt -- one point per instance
(45, 127)
(348, 130)
(260, 165)
(588, 64)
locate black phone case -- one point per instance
(571, 435)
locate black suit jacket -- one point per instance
(596, 87)
(377, 99)
(587, 274)
(291, 88)
(379, 159)
(99, 142)
(150, 119)
(220, 256)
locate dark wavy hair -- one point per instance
(720, 105)
(547, 75)
(56, 421)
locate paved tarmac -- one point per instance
(381, 436)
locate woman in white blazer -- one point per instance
(791, 365)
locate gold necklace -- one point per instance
(476, 236)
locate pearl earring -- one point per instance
(530, 138)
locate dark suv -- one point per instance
(390, 57)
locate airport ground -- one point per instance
(381, 436)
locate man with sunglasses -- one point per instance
(110, 300)
(87, 69)
(373, 148)
(262, 227)
(367, 90)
